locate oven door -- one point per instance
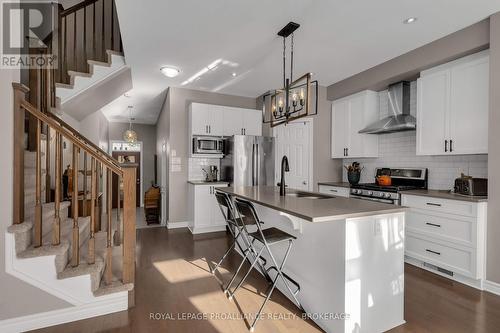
(388, 201)
(207, 145)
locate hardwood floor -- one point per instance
(173, 280)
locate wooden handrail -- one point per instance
(76, 7)
(78, 140)
(64, 124)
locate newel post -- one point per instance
(129, 214)
(20, 92)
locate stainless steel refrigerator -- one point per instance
(248, 160)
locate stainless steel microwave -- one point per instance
(207, 145)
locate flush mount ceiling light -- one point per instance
(410, 20)
(293, 101)
(130, 135)
(170, 71)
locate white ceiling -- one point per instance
(337, 39)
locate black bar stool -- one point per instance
(267, 237)
(238, 232)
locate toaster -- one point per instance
(471, 186)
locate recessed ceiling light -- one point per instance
(170, 71)
(410, 20)
(233, 74)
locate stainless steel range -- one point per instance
(403, 179)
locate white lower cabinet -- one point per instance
(205, 214)
(337, 191)
(446, 236)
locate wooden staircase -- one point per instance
(76, 253)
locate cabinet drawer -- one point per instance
(455, 207)
(455, 259)
(460, 230)
(335, 190)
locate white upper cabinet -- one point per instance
(340, 124)
(233, 121)
(199, 118)
(453, 107)
(350, 115)
(252, 122)
(238, 121)
(205, 119)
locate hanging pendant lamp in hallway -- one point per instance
(130, 135)
(294, 100)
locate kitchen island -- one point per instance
(348, 256)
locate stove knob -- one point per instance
(370, 192)
(381, 194)
(387, 195)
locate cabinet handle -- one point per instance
(244, 131)
(433, 204)
(334, 191)
(209, 129)
(433, 224)
(445, 146)
(206, 129)
(451, 146)
(347, 152)
(435, 252)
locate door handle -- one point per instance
(445, 146)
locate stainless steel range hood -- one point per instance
(400, 118)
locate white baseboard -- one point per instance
(176, 225)
(56, 317)
(492, 287)
(203, 230)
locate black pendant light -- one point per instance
(293, 101)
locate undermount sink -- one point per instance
(307, 195)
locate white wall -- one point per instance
(399, 150)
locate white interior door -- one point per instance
(295, 141)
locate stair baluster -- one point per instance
(117, 237)
(56, 229)
(98, 210)
(93, 171)
(84, 205)
(38, 187)
(75, 258)
(47, 165)
(108, 274)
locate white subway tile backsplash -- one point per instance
(195, 172)
(399, 150)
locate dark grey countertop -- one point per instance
(338, 184)
(445, 194)
(313, 210)
(201, 182)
